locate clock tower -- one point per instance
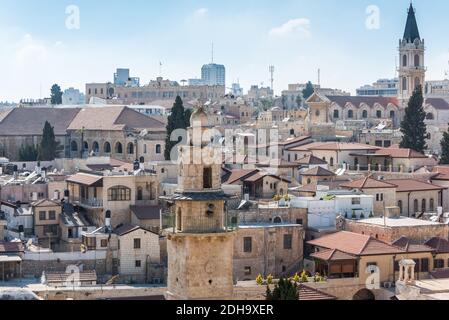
(200, 245)
(412, 70)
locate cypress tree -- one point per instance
(56, 95)
(413, 128)
(308, 91)
(49, 147)
(178, 119)
(445, 148)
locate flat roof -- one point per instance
(267, 225)
(399, 222)
(10, 259)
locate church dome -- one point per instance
(199, 118)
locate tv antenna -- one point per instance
(271, 70)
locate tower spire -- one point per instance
(411, 28)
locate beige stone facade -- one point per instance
(46, 219)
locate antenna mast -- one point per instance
(271, 70)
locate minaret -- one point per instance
(200, 247)
(412, 71)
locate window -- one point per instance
(207, 178)
(139, 194)
(331, 162)
(364, 114)
(415, 206)
(400, 205)
(423, 205)
(379, 114)
(417, 82)
(95, 147)
(130, 148)
(404, 60)
(104, 243)
(299, 221)
(404, 84)
(355, 201)
(288, 238)
(118, 148)
(73, 146)
(350, 114)
(52, 215)
(52, 229)
(138, 264)
(424, 265)
(377, 197)
(392, 114)
(438, 264)
(247, 244)
(431, 205)
(107, 147)
(42, 215)
(119, 193)
(336, 114)
(416, 60)
(430, 116)
(247, 271)
(136, 243)
(158, 149)
(378, 143)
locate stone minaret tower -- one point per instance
(412, 71)
(200, 247)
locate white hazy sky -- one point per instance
(297, 36)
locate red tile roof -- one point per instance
(311, 160)
(439, 244)
(367, 183)
(318, 172)
(307, 293)
(241, 174)
(355, 244)
(11, 247)
(358, 101)
(400, 153)
(406, 185)
(332, 255)
(334, 146)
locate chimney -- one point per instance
(107, 220)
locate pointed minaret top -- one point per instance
(411, 28)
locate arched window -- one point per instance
(356, 161)
(400, 205)
(404, 84)
(317, 113)
(142, 160)
(331, 162)
(431, 205)
(86, 146)
(417, 60)
(95, 147)
(107, 147)
(430, 116)
(379, 114)
(404, 60)
(139, 194)
(392, 114)
(145, 148)
(130, 148)
(415, 206)
(74, 146)
(365, 114)
(158, 149)
(119, 193)
(417, 82)
(292, 132)
(423, 205)
(277, 220)
(118, 148)
(336, 114)
(309, 181)
(350, 114)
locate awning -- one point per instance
(10, 259)
(85, 179)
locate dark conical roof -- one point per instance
(411, 28)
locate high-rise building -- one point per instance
(382, 88)
(213, 74)
(122, 78)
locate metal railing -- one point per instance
(94, 203)
(200, 224)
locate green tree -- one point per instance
(445, 148)
(56, 95)
(283, 290)
(28, 152)
(413, 127)
(308, 90)
(49, 148)
(178, 119)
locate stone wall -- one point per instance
(32, 268)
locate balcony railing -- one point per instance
(201, 224)
(93, 203)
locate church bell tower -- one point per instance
(200, 246)
(412, 70)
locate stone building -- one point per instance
(46, 220)
(200, 245)
(122, 133)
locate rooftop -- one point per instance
(398, 222)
